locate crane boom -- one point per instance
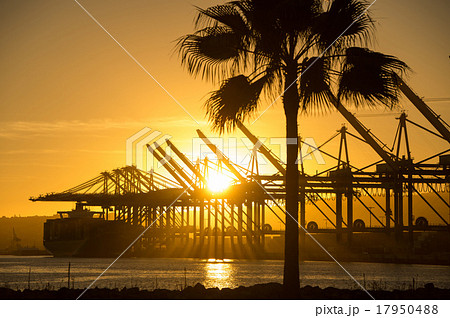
(364, 132)
(221, 156)
(186, 161)
(263, 149)
(168, 167)
(174, 165)
(426, 111)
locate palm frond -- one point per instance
(273, 78)
(226, 15)
(212, 52)
(236, 99)
(297, 16)
(268, 38)
(346, 23)
(369, 77)
(315, 80)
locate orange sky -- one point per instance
(70, 96)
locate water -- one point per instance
(175, 273)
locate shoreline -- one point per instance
(199, 292)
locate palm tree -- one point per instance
(304, 50)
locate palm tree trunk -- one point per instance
(291, 103)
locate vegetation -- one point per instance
(261, 291)
(313, 53)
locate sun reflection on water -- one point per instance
(218, 273)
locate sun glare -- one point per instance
(218, 182)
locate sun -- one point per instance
(217, 182)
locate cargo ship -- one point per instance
(84, 233)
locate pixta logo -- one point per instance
(276, 146)
(136, 147)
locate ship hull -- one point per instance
(88, 237)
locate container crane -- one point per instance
(262, 148)
(186, 161)
(171, 166)
(389, 158)
(221, 156)
(426, 111)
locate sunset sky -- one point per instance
(70, 96)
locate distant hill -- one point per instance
(28, 229)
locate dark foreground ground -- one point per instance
(262, 291)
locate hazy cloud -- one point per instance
(28, 129)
